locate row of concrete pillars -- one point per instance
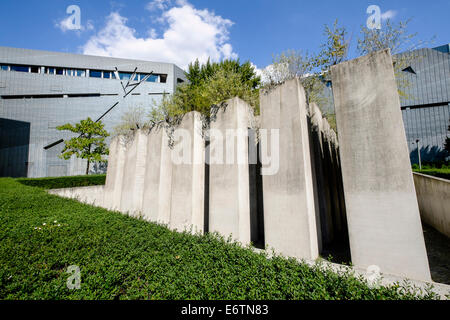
(306, 194)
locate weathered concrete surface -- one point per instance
(158, 177)
(92, 195)
(289, 213)
(134, 174)
(433, 196)
(188, 176)
(229, 195)
(114, 174)
(383, 215)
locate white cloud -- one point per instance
(67, 24)
(390, 14)
(189, 34)
(158, 4)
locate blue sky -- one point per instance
(180, 30)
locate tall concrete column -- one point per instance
(134, 174)
(114, 175)
(158, 177)
(188, 175)
(289, 209)
(229, 194)
(382, 212)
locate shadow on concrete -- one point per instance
(438, 251)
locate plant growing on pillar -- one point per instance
(89, 144)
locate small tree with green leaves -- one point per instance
(447, 142)
(89, 145)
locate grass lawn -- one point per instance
(125, 258)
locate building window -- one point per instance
(179, 80)
(163, 78)
(59, 71)
(95, 74)
(4, 68)
(124, 75)
(80, 73)
(152, 78)
(20, 68)
(49, 70)
(106, 75)
(34, 69)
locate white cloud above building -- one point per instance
(187, 34)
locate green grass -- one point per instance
(64, 182)
(125, 258)
(443, 173)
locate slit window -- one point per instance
(49, 70)
(152, 78)
(20, 68)
(95, 74)
(124, 75)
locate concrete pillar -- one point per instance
(134, 173)
(158, 177)
(114, 174)
(229, 194)
(289, 210)
(382, 212)
(188, 175)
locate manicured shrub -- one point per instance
(443, 173)
(120, 257)
(64, 182)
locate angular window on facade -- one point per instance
(20, 68)
(163, 78)
(35, 69)
(124, 75)
(152, 78)
(49, 70)
(80, 73)
(95, 74)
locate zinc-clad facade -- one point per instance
(58, 88)
(426, 108)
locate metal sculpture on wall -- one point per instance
(127, 89)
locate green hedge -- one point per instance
(64, 182)
(443, 173)
(120, 257)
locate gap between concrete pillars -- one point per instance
(188, 175)
(289, 212)
(134, 173)
(229, 194)
(382, 212)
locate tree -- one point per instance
(398, 39)
(132, 119)
(209, 84)
(89, 145)
(312, 70)
(447, 142)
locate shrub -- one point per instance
(64, 182)
(126, 258)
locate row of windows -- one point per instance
(102, 74)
